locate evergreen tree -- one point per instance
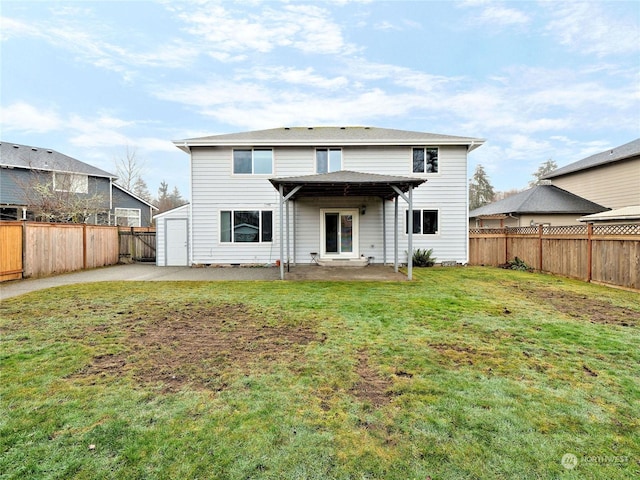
(167, 201)
(544, 168)
(480, 189)
(141, 190)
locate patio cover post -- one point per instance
(410, 233)
(288, 237)
(395, 235)
(384, 232)
(282, 200)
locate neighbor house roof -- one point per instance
(539, 199)
(328, 136)
(346, 183)
(619, 214)
(133, 195)
(623, 152)
(13, 155)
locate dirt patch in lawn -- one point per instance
(371, 386)
(203, 347)
(582, 306)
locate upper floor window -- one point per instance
(128, 217)
(425, 160)
(70, 182)
(328, 160)
(257, 161)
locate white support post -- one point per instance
(410, 233)
(288, 237)
(384, 232)
(395, 235)
(282, 200)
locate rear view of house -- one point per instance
(327, 194)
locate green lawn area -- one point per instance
(462, 373)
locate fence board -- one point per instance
(10, 251)
(603, 253)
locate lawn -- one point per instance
(462, 373)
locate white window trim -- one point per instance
(425, 147)
(406, 226)
(328, 149)
(246, 209)
(75, 180)
(118, 214)
(252, 174)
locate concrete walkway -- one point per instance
(147, 272)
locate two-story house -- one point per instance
(330, 195)
(32, 176)
(610, 178)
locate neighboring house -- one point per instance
(327, 195)
(610, 178)
(624, 215)
(23, 169)
(540, 205)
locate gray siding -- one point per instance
(215, 188)
(122, 199)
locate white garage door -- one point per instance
(177, 252)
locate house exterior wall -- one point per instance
(615, 185)
(121, 199)
(215, 188)
(525, 220)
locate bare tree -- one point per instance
(62, 197)
(129, 169)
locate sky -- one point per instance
(538, 80)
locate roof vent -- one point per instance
(34, 149)
(16, 146)
(49, 151)
(287, 128)
(611, 152)
(342, 128)
(309, 128)
(367, 128)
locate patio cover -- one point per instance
(347, 183)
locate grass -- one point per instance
(463, 373)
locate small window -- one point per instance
(246, 226)
(256, 161)
(128, 217)
(328, 160)
(425, 160)
(70, 182)
(425, 222)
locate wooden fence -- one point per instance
(137, 244)
(37, 249)
(607, 254)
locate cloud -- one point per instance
(23, 117)
(229, 34)
(494, 14)
(589, 29)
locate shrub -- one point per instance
(423, 258)
(517, 264)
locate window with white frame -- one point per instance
(128, 217)
(328, 160)
(425, 160)
(257, 161)
(70, 182)
(424, 222)
(246, 226)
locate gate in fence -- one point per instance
(137, 244)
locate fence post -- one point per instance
(506, 244)
(540, 228)
(84, 246)
(589, 251)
